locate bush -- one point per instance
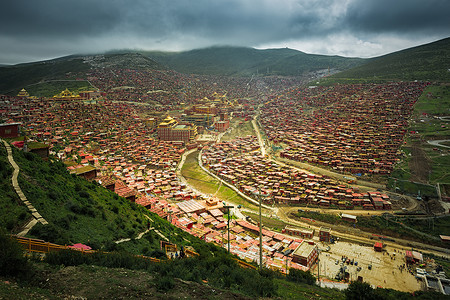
(12, 259)
(115, 209)
(84, 194)
(359, 291)
(256, 285)
(301, 276)
(49, 233)
(164, 283)
(67, 258)
(157, 253)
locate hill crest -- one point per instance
(425, 62)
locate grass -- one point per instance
(290, 290)
(240, 61)
(13, 213)
(435, 100)
(268, 222)
(408, 187)
(95, 282)
(425, 125)
(14, 78)
(440, 165)
(434, 227)
(425, 62)
(390, 226)
(207, 184)
(78, 211)
(51, 88)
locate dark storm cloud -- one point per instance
(404, 16)
(53, 18)
(254, 21)
(59, 27)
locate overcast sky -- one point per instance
(33, 30)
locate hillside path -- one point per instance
(37, 218)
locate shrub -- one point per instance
(301, 276)
(12, 259)
(256, 285)
(115, 209)
(28, 155)
(157, 253)
(164, 283)
(67, 258)
(49, 233)
(84, 194)
(63, 223)
(110, 246)
(359, 291)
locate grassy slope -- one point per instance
(13, 78)
(78, 210)
(94, 282)
(432, 128)
(425, 62)
(390, 226)
(16, 77)
(49, 89)
(240, 61)
(428, 127)
(12, 213)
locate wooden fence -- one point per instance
(40, 246)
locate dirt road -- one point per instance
(358, 236)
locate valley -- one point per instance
(284, 173)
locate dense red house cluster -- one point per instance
(350, 128)
(240, 163)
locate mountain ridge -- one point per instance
(245, 61)
(424, 62)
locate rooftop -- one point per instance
(304, 249)
(190, 206)
(83, 169)
(325, 229)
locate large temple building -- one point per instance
(170, 130)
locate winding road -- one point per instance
(282, 213)
(439, 143)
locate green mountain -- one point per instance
(16, 77)
(426, 62)
(241, 61)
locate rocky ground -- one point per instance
(93, 282)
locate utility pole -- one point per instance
(228, 212)
(260, 195)
(318, 265)
(286, 253)
(260, 231)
